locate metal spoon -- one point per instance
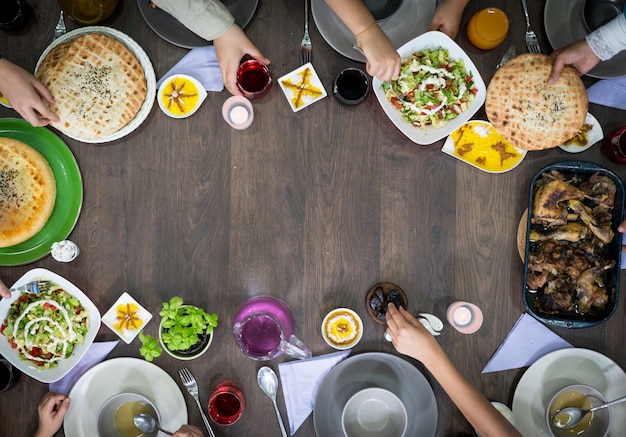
(570, 417)
(147, 423)
(268, 381)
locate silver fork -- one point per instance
(305, 45)
(192, 387)
(531, 39)
(60, 27)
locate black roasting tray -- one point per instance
(582, 170)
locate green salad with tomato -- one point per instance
(46, 327)
(432, 88)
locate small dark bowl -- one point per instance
(599, 12)
(351, 86)
(387, 287)
(581, 170)
(382, 9)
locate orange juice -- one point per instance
(488, 28)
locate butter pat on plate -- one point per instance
(477, 143)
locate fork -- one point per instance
(192, 387)
(531, 39)
(60, 27)
(34, 287)
(305, 45)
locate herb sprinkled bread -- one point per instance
(529, 112)
(27, 192)
(97, 82)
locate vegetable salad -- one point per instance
(431, 89)
(46, 327)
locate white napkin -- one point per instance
(609, 92)
(527, 341)
(301, 380)
(201, 64)
(95, 354)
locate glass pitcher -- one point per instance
(263, 329)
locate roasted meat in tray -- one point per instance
(573, 248)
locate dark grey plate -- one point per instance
(375, 369)
(172, 31)
(583, 170)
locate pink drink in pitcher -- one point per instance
(263, 329)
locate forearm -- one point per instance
(353, 13)
(208, 19)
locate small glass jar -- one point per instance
(488, 28)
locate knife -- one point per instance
(508, 55)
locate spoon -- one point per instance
(569, 417)
(268, 381)
(147, 423)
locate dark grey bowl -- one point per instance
(599, 12)
(581, 170)
(382, 9)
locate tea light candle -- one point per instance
(238, 113)
(465, 317)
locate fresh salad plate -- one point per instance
(557, 370)
(143, 59)
(64, 366)
(126, 317)
(430, 134)
(69, 198)
(591, 135)
(478, 144)
(123, 375)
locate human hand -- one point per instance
(4, 291)
(622, 229)
(26, 94)
(578, 55)
(409, 336)
(230, 48)
(383, 61)
(447, 17)
(51, 412)
(188, 431)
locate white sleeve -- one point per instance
(610, 39)
(208, 19)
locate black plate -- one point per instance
(583, 170)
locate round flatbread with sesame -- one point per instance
(27, 192)
(529, 112)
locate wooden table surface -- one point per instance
(312, 207)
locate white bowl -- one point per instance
(341, 316)
(430, 134)
(202, 94)
(374, 412)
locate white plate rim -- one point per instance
(144, 60)
(448, 148)
(596, 135)
(430, 134)
(118, 375)
(12, 355)
(557, 370)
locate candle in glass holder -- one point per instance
(465, 317)
(238, 113)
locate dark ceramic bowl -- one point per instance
(535, 300)
(382, 9)
(599, 12)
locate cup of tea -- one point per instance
(8, 375)
(351, 86)
(226, 403)
(254, 79)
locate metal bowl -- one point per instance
(569, 397)
(580, 170)
(118, 411)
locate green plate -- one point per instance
(69, 198)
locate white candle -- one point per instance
(239, 114)
(462, 316)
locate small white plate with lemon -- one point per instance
(180, 95)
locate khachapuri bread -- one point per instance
(97, 82)
(531, 113)
(27, 191)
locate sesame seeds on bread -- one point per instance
(529, 112)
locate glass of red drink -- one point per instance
(615, 145)
(254, 79)
(226, 403)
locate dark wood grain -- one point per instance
(312, 207)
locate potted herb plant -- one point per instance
(186, 331)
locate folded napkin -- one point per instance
(201, 64)
(300, 381)
(527, 341)
(96, 353)
(609, 92)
